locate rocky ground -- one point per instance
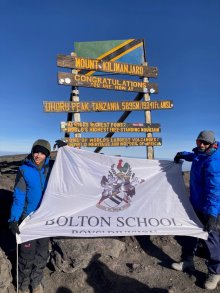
(121, 264)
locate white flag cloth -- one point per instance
(94, 195)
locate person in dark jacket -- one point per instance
(205, 199)
(30, 184)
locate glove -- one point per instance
(178, 157)
(13, 226)
(211, 224)
(59, 143)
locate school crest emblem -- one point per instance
(118, 187)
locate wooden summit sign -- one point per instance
(101, 106)
(113, 141)
(108, 127)
(105, 66)
(87, 63)
(65, 78)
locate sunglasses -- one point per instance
(204, 142)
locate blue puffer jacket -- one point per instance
(30, 185)
(205, 180)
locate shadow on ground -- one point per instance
(102, 279)
(5, 207)
(151, 249)
(63, 290)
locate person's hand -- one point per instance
(178, 157)
(59, 143)
(211, 224)
(13, 226)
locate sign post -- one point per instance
(149, 149)
(74, 97)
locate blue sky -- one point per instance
(182, 40)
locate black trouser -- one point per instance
(189, 246)
(32, 259)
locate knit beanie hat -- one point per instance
(207, 135)
(41, 146)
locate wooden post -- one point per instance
(74, 97)
(149, 149)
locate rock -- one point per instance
(5, 274)
(68, 255)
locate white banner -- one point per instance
(94, 195)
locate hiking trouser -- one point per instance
(213, 245)
(189, 246)
(32, 259)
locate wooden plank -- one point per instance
(114, 141)
(63, 106)
(108, 127)
(105, 66)
(79, 80)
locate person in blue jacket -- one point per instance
(30, 184)
(205, 199)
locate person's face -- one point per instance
(39, 158)
(202, 145)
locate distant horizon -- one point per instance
(185, 167)
(8, 153)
